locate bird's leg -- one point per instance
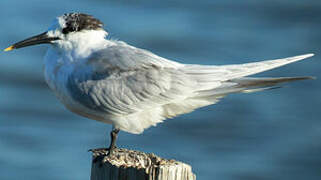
(113, 137)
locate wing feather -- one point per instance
(138, 88)
(132, 84)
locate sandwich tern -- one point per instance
(132, 88)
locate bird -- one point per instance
(131, 88)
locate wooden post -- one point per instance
(134, 165)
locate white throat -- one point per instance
(82, 44)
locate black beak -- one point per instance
(42, 38)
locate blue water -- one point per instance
(267, 135)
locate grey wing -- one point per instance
(126, 79)
(124, 57)
(135, 86)
(139, 98)
(133, 91)
(140, 89)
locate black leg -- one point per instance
(113, 137)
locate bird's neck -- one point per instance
(82, 45)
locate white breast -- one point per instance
(57, 69)
(56, 72)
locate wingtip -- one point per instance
(300, 57)
(305, 78)
(312, 77)
(307, 55)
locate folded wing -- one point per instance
(137, 89)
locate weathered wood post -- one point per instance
(134, 165)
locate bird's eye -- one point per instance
(64, 30)
(68, 29)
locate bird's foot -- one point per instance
(111, 151)
(98, 150)
(113, 147)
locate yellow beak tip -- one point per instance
(9, 48)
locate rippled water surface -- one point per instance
(267, 135)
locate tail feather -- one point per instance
(248, 85)
(259, 82)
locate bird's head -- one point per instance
(66, 32)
